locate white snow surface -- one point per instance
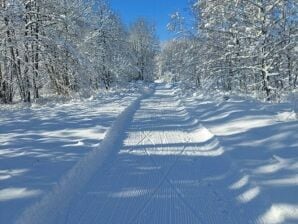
(40, 143)
(166, 158)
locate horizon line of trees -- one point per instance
(60, 47)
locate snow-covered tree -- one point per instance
(178, 61)
(248, 46)
(60, 47)
(144, 46)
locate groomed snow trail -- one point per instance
(170, 169)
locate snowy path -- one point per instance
(170, 169)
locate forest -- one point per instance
(73, 46)
(62, 47)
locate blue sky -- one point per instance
(157, 11)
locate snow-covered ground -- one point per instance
(166, 158)
(38, 144)
(262, 141)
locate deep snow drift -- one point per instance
(166, 158)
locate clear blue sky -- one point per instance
(157, 11)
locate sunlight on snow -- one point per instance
(272, 168)
(13, 153)
(287, 116)
(221, 116)
(200, 142)
(86, 133)
(241, 125)
(279, 164)
(249, 195)
(129, 193)
(174, 152)
(279, 213)
(201, 135)
(240, 183)
(79, 143)
(17, 193)
(289, 181)
(149, 168)
(7, 174)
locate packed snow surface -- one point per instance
(166, 158)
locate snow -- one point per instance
(287, 116)
(79, 175)
(41, 142)
(16, 193)
(281, 213)
(164, 156)
(261, 139)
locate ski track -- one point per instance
(168, 170)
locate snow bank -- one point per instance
(47, 210)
